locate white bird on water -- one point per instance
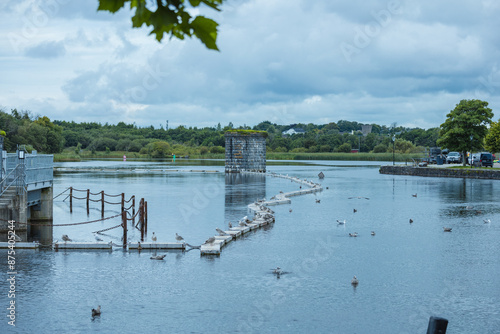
(178, 238)
(487, 221)
(153, 237)
(158, 257)
(341, 222)
(65, 238)
(447, 229)
(96, 312)
(355, 281)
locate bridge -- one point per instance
(26, 194)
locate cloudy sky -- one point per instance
(286, 61)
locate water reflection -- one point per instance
(241, 190)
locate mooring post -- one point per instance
(88, 201)
(437, 325)
(102, 203)
(141, 217)
(70, 199)
(146, 215)
(133, 210)
(123, 202)
(124, 224)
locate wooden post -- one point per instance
(88, 201)
(70, 199)
(124, 224)
(437, 325)
(141, 218)
(102, 204)
(146, 215)
(133, 210)
(123, 202)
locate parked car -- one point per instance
(453, 157)
(483, 159)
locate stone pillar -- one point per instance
(245, 150)
(42, 214)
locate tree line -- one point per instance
(45, 136)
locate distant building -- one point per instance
(293, 131)
(366, 129)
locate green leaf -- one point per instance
(111, 5)
(206, 30)
(142, 15)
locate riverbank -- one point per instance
(469, 173)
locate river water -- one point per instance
(407, 272)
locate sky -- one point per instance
(407, 62)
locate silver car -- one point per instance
(453, 157)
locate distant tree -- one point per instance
(492, 140)
(469, 119)
(171, 17)
(345, 148)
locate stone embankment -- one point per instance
(470, 173)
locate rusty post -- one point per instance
(141, 219)
(124, 225)
(133, 210)
(102, 204)
(88, 201)
(70, 199)
(123, 202)
(146, 215)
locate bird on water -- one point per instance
(65, 238)
(355, 281)
(96, 312)
(230, 225)
(158, 257)
(447, 229)
(411, 220)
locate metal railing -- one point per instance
(33, 169)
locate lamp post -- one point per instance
(393, 147)
(471, 137)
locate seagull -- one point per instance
(373, 233)
(447, 229)
(221, 232)
(354, 281)
(487, 221)
(469, 207)
(210, 240)
(277, 271)
(414, 195)
(178, 238)
(340, 222)
(411, 220)
(158, 257)
(96, 312)
(290, 210)
(355, 234)
(242, 223)
(97, 238)
(153, 237)
(66, 238)
(318, 201)
(16, 237)
(354, 210)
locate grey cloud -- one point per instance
(46, 50)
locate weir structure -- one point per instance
(26, 195)
(245, 151)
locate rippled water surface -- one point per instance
(407, 272)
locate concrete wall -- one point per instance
(471, 173)
(245, 152)
(42, 214)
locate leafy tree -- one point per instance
(345, 148)
(492, 140)
(171, 17)
(466, 126)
